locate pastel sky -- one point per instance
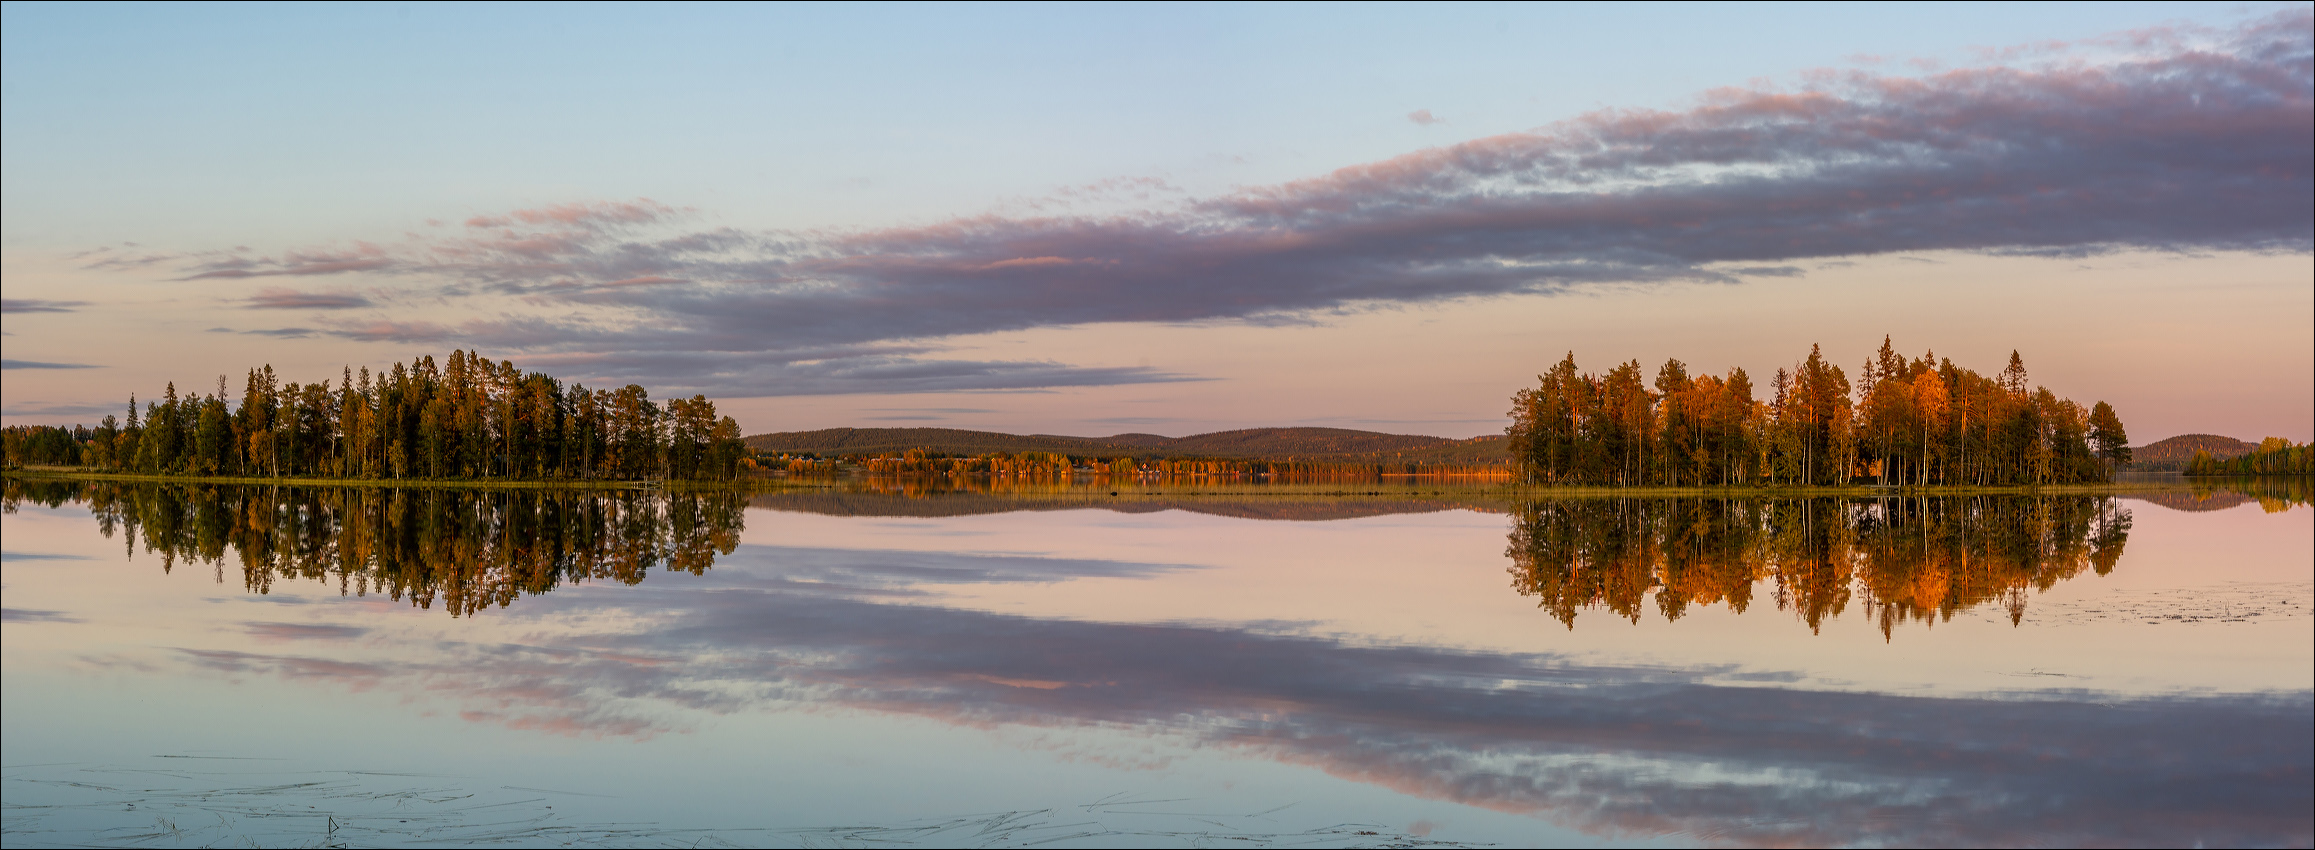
(1100, 219)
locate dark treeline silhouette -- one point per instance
(1048, 465)
(1913, 422)
(2274, 456)
(1922, 559)
(460, 550)
(470, 419)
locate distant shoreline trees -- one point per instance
(1046, 465)
(1917, 422)
(2274, 456)
(467, 419)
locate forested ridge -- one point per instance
(468, 419)
(1911, 422)
(2172, 455)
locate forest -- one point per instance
(1904, 422)
(2274, 456)
(468, 419)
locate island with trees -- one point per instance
(1903, 422)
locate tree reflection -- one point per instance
(460, 550)
(1920, 559)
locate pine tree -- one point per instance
(2013, 377)
(2106, 434)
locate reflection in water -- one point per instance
(1717, 753)
(464, 549)
(1295, 508)
(944, 496)
(2274, 493)
(1713, 752)
(1904, 559)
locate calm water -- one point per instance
(298, 666)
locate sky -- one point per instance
(1169, 219)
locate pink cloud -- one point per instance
(588, 215)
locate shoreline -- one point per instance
(744, 484)
(1401, 486)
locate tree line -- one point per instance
(1917, 559)
(1041, 465)
(467, 419)
(2274, 456)
(1911, 422)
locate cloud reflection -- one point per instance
(1624, 750)
(304, 631)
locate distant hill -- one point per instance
(1315, 443)
(2173, 453)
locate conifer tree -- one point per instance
(2113, 445)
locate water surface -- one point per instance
(195, 665)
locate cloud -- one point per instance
(59, 411)
(580, 215)
(104, 258)
(28, 615)
(279, 333)
(915, 375)
(36, 305)
(290, 299)
(784, 373)
(295, 266)
(2182, 140)
(386, 330)
(42, 364)
(1425, 118)
(1138, 420)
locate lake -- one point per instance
(898, 663)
